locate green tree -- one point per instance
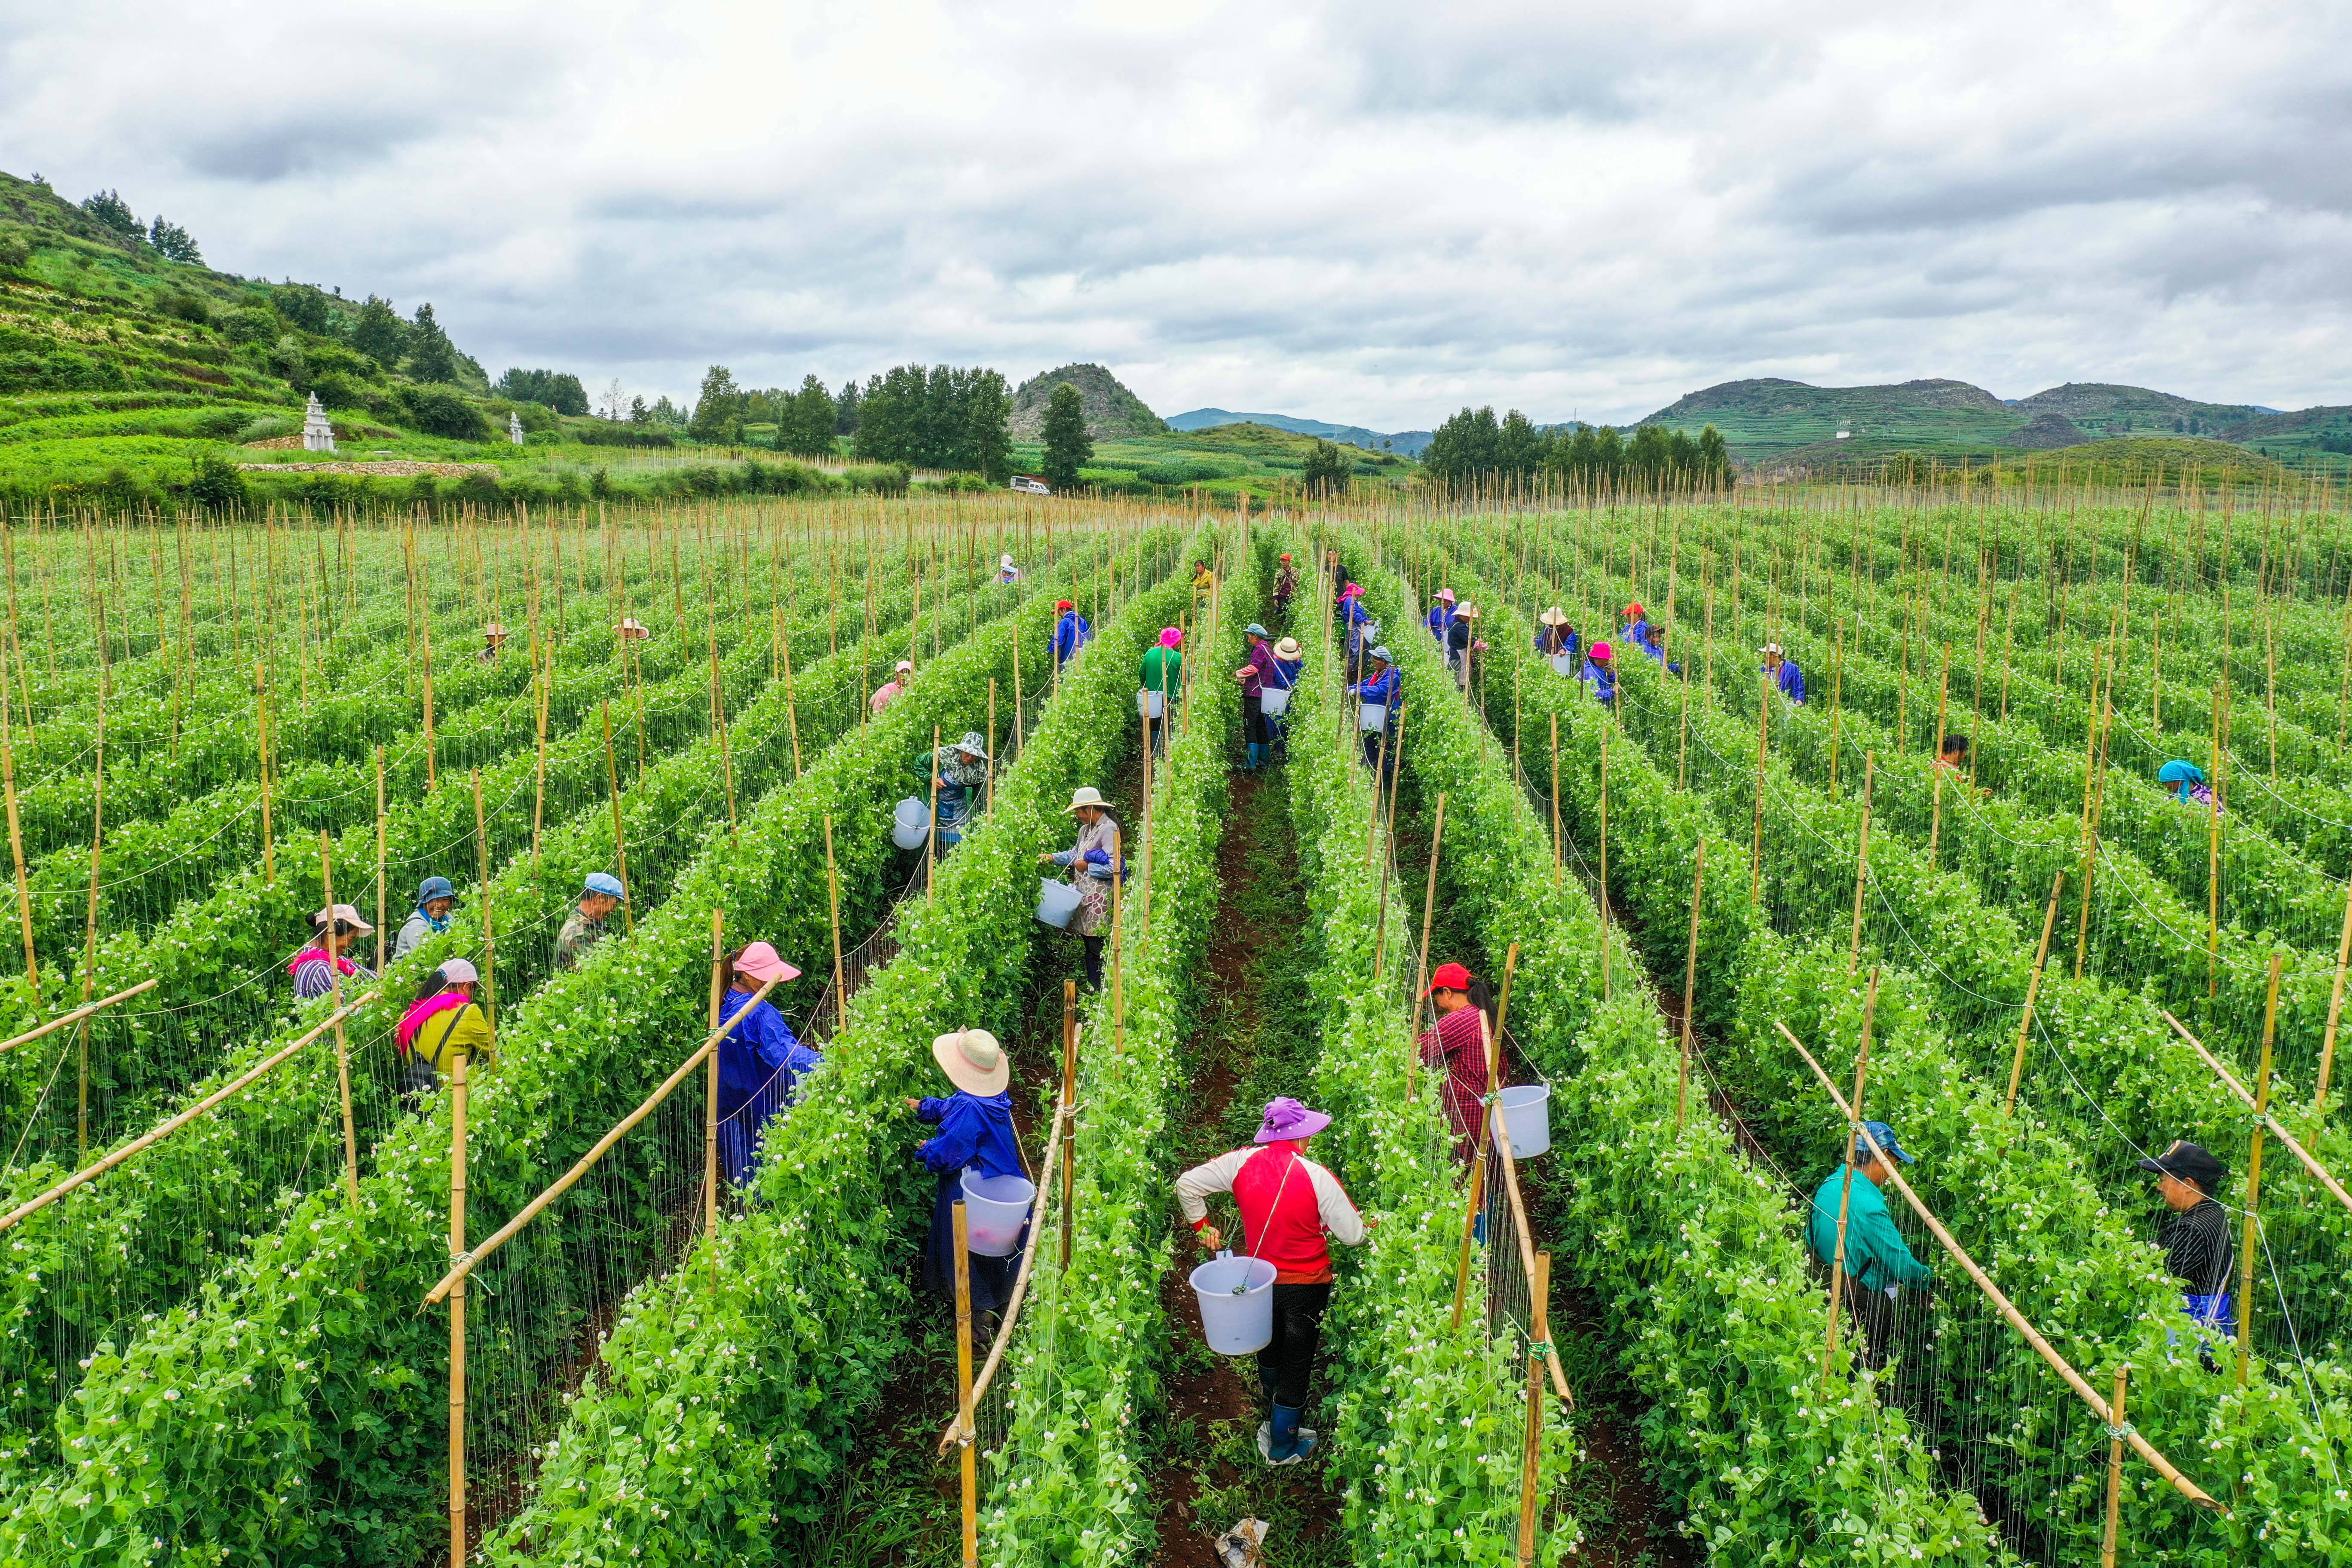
(718, 408)
(805, 424)
(1464, 448)
(984, 442)
(173, 243)
(431, 355)
(379, 333)
(1068, 447)
(1714, 458)
(845, 410)
(1326, 470)
(1519, 447)
(437, 411)
(109, 208)
(216, 484)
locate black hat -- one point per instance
(2190, 1163)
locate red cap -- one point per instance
(1061, 603)
(1449, 977)
(1634, 609)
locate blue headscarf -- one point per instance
(2180, 774)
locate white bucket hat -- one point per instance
(1087, 795)
(973, 1061)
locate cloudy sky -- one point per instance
(1372, 213)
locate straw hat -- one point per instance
(1087, 795)
(1555, 616)
(496, 629)
(1770, 648)
(342, 914)
(1465, 611)
(760, 962)
(1288, 649)
(973, 1061)
(631, 626)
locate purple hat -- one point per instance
(1287, 1118)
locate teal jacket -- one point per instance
(1875, 1254)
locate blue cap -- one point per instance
(1884, 1136)
(604, 882)
(1254, 629)
(434, 888)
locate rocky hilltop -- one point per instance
(1112, 411)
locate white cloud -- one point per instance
(1372, 213)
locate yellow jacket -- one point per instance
(461, 1031)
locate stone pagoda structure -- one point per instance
(318, 435)
(514, 427)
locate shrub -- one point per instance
(184, 306)
(15, 246)
(338, 390)
(878, 479)
(216, 484)
(437, 411)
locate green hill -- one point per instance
(1112, 411)
(2106, 409)
(1764, 418)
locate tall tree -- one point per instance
(173, 243)
(845, 410)
(1326, 470)
(379, 333)
(431, 355)
(804, 424)
(1068, 447)
(109, 208)
(718, 407)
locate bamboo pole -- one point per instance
(1862, 861)
(2271, 1123)
(489, 933)
(1558, 865)
(710, 1097)
(1846, 1172)
(343, 1045)
(1605, 987)
(1530, 1451)
(543, 682)
(931, 830)
(1117, 941)
(1421, 962)
(1756, 845)
(791, 709)
(90, 927)
(16, 845)
(458, 1311)
(1690, 986)
(833, 904)
(2032, 989)
(2213, 863)
(383, 893)
(967, 1434)
(1936, 818)
(612, 792)
(2115, 1468)
(2255, 1180)
(65, 1020)
(1492, 1038)
(261, 709)
(2002, 1304)
(1069, 1110)
(2334, 1007)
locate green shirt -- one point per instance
(1163, 669)
(579, 934)
(1876, 1253)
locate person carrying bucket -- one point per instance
(1091, 872)
(975, 1133)
(1287, 1203)
(961, 775)
(1253, 677)
(1558, 640)
(1290, 659)
(760, 1060)
(1381, 694)
(1457, 1046)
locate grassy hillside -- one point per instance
(1762, 419)
(2105, 410)
(1222, 460)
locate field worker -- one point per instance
(435, 899)
(1440, 616)
(1091, 872)
(1333, 570)
(1287, 1204)
(961, 773)
(1290, 659)
(887, 692)
(1253, 677)
(1600, 672)
(1461, 642)
(2186, 782)
(493, 636)
(1353, 619)
(760, 1060)
(1877, 1260)
(1285, 588)
(1637, 624)
(1457, 1048)
(443, 1023)
(2196, 1240)
(1554, 636)
(1005, 570)
(1954, 753)
(1071, 632)
(1203, 579)
(1657, 648)
(975, 1133)
(631, 629)
(1163, 672)
(1786, 677)
(334, 931)
(1382, 685)
(599, 897)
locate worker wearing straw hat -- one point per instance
(1600, 672)
(1440, 616)
(435, 900)
(960, 775)
(632, 629)
(1071, 632)
(1290, 659)
(599, 897)
(975, 1133)
(1787, 677)
(1381, 687)
(1460, 640)
(443, 1023)
(314, 968)
(1092, 872)
(1253, 677)
(1288, 1204)
(1554, 636)
(1458, 1046)
(493, 636)
(1878, 1261)
(887, 692)
(760, 1060)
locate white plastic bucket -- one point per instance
(1151, 704)
(912, 823)
(1057, 903)
(1563, 663)
(1236, 1296)
(1374, 716)
(1274, 702)
(995, 1210)
(1525, 1112)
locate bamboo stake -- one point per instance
(1846, 1174)
(1756, 845)
(489, 935)
(1540, 1283)
(90, 928)
(2254, 1181)
(1069, 1110)
(791, 710)
(457, 1312)
(1420, 964)
(544, 684)
(2000, 1302)
(261, 709)
(2115, 1468)
(931, 829)
(2213, 864)
(613, 791)
(833, 902)
(343, 1046)
(2033, 988)
(16, 845)
(1605, 733)
(1118, 943)
(967, 1430)
(1690, 987)
(2273, 1126)
(710, 1101)
(2334, 1007)
(1936, 818)
(1557, 866)
(1862, 861)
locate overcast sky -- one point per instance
(1370, 213)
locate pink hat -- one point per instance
(1172, 638)
(1353, 591)
(1600, 651)
(760, 963)
(1447, 595)
(1287, 1118)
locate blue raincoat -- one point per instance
(760, 1065)
(975, 1133)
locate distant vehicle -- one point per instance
(1030, 487)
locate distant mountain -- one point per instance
(1766, 417)
(2046, 432)
(2109, 410)
(1408, 442)
(1112, 411)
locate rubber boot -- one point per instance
(1284, 1447)
(1256, 755)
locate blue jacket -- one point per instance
(760, 1051)
(1286, 673)
(1440, 616)
(1071, 633)
(1638, 632)
(1603, 680)
(975, 1133)
(1790, 681)
(1568, 643)
(1384, 688)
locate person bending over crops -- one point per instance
(1878, 1262)
(1092, 872)
(1253, 677)
(1383, 688)
(1954, 753)
(1285, 588)
(1440, 616)
(760, 1060)
(443, 1023)
(960, 773)
(1287, 1203)
(1637, 625)
(1461, 642)
(2196, 1239)
(1071, 632)
(435, 900)
(316, 968)
(2186, 783)
(1007, 573)
(1600, 672)
(1458, 1047)
(1786, 677)
(1554, 636)
(598, 898)
(494, 636)
(1290, 659)
(975, 1133)
(887, 692)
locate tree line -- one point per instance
(955, 417)
(1474, 446)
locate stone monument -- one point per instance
(318, 435)
(514, 427)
